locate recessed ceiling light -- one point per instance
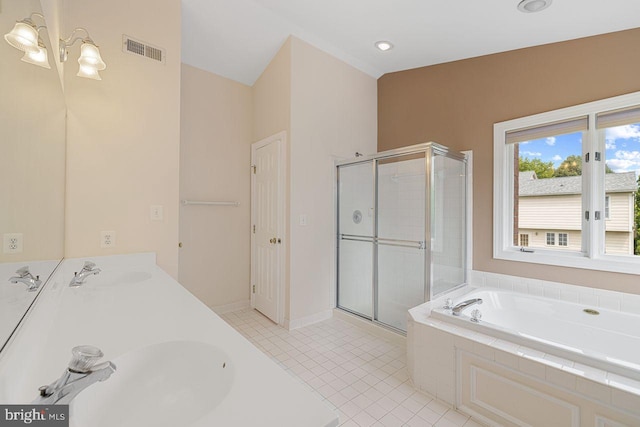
(384, 45)
(530, 6)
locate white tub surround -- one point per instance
(134, 311)
(530, 361)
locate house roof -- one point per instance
(530, 185)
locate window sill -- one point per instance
(612, 263)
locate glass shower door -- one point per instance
(400, 238)
(356, 238)
(448, 224)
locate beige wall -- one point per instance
(123, 132)
(272, 114)
(333, 115)
(32, 148)
(272, 96)
(215, 150)
(456, 104)
(328, 110)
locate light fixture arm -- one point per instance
(70, 41)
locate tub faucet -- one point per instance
(88, 269)
(457, 309)
(24, 276)
(81, 373)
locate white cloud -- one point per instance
(621, 165)
(531, 153)
(556, 158)
(627, 155)
(623, 132)
(551, 141)
(625, 161)
(524, 142)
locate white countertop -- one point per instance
(132, 304)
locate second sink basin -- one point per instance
(168, 384)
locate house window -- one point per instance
(551, 239)
(561, 170)
(524, 240)
(563, 239)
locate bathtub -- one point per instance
(529, 361)
(605, 339)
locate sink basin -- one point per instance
(168, 384)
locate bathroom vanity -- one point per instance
(177, 362)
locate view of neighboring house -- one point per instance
(550, 212)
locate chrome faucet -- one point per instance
(457, 309)
(87, 270)
(24, 276)
(81, 373)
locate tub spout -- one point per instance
(457, 309)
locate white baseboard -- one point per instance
(234, 306)
(307, 320)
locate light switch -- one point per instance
(156, 213)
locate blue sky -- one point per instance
(622, 148)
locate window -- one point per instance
(551, 239)
(524, 240)
(563, 239)
(569, 170)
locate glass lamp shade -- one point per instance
(24, 37)
(39, 58)
(90, 57)
(88, 72)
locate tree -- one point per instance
(542, 169)
(571, 166)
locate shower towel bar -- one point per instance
(196, 202)
(417, 244)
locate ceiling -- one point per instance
(238, 38)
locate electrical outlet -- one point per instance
(12, 243)
(107, 239)
(156, 213)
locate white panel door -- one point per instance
(267, 231)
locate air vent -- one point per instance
(140, 48)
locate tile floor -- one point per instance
(361, 376)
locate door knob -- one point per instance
(272, 240)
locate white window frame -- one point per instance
(592, 256)
(553, 239)
(566, 239)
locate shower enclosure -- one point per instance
(401, 230)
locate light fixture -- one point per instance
(40, 57)
(26, 38)
(384, 45)
(531, 6)
(24, 35)
(90, 60)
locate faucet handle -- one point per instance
(23, 271)
(88, 265)
(84, 358)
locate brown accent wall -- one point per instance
(457, 103)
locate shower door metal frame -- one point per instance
(429, 149)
